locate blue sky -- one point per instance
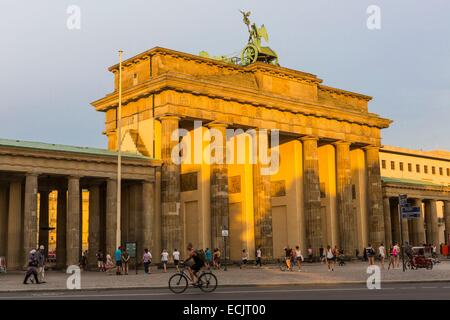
(50, 74)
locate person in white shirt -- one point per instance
(176, 258)
(258, 257)
(298, 257)
(382, 253)
(397, 255)
(165, 259)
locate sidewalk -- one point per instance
(315, 273)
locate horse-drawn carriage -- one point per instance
(420, 257)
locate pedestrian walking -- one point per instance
(391, 258)
(298, 257)
(109, 265)
(100, 260)
(287, 258)
(32, 268)
(125, 261)
(310, 254)
(216, 258)
(382, 255)
(397, 255)
(118, 257)
(321, 255)
(244, 259)
(164, 259)
(84, 260)
(176, 258)
(208, 258)
(147, 260)
(258, 257)
(370, 254)
(41, 258)
(330, 258)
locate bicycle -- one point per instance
(178, 283)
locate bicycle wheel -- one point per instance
(207, 282)
(178, 283)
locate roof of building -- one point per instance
(435, 154)
(410, 181)
(66, 148)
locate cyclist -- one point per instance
(196, 263)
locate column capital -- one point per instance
(168, 116)
(342, 143)
(217, 124)
(371, 147)
(309, 138)
(32, 174)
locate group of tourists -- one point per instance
(36, 266)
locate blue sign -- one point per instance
(410, 212)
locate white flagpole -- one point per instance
(119, 155)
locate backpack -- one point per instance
(200, 254)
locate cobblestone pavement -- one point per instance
(267, 275)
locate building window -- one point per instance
(383, 164)
(409, 167)
(425, 169)
(135, 79)
(448, 171)
(392, 165)
(418, 168)
(353, 192)
(323, 193)
(433, 170)
(401, 166)
(441, 171)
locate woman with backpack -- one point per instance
(391, 258)
(330, 258)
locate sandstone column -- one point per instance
(61, 229)
(395, 220)
(172, 231)
(387, 221)
(374, 193)
(311, 189)
(30, 231)
(346, 214)
(405, 230)
(43, 219)
(447, 220)
(3, 218)
(94, 223)
(111, 216)
(418, 228)
(148, 216)
(219, 189)
(14, 252)
(262, 207)
(73, 222)
(433, 224)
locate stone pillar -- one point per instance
(73, 222)
(30, 231)
(311, 190)
(94, 223)
(447, 220)
(417, 229)
(3, 218)
(14, 252)
(346, 214)
(433, 223)
(61, 229)
(405, 230)
(111, 216)
(395, 220)
(148, 215)
(387, 222)
(374, 194)
(262, 207)
(43, 219)
(219, 188)
(172, 231)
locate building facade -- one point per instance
(327, 181)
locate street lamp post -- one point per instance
(119, 154)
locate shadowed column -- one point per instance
(111, 216)
(219, 188)
(94, 223)
(374, 194)
(61, 229)
(313, 218)
(73, 222)
(419, 224)
(3, 217)
(172, 230)
(43, 219)
(30, 216)
(346, 214)
(433, 224)
(148, 215)
(14, 251)
(387, 221)
(447, 220)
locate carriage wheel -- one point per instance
(249, 54)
